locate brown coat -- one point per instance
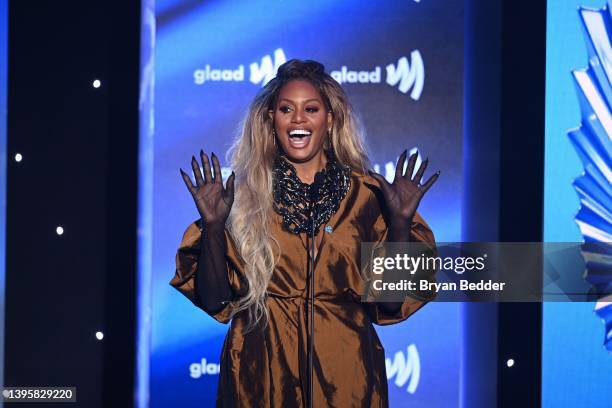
(268, 367)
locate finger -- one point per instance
(196, 171)
(384, 184)
(187, 181)
(399, 168)
(430, 182)
(229, 189)
(419, 174)
(411, 163)
(206, 165)
(216, 168)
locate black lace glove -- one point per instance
(402, 197)
(214, 203)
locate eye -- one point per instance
(312, 109)
(285, 109)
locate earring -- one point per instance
(328, 140)
(274, 137)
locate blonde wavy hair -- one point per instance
(252, 156)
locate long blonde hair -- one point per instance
(252, 155)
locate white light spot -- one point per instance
(18, 157)
(510, 362)
(99, 335)
(59, 230)
(96, 83)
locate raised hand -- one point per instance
(405, 193)
(212, 200)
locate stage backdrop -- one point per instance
(576, 367)
(402, 66)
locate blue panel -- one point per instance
(577, 367)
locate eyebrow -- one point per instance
(306, 101)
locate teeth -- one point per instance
(299, 132)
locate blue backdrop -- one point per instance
(402, 66)
(577, 369)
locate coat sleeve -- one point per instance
(187, 265)
(420, 232)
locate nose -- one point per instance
(298, 116)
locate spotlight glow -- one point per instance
(510, 362)
(99, 335)
(59, 230)
(18, 157)
(96, 83)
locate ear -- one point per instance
(330, 119)
(271, 115)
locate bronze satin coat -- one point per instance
(268, 367)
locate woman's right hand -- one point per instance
(212, 200)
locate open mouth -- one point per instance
(299, 138)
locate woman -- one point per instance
(246, 259)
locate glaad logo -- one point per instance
(406, 75)
(200, 76)
(259, 73)
(267, 70)
(196, 370)
(406, 368)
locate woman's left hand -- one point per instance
(402, 197)
(405, 193)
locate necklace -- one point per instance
(299, 203)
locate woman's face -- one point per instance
(301, 121)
